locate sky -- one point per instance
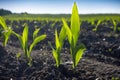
(61, 6)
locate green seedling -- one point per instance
(98, 23)
(73, 35)
(114, 25)
(6, 31)
(59, 41)
(24, 42)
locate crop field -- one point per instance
(60, 46)
(99, 33)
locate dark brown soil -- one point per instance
(101, 60)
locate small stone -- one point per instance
(104, 39)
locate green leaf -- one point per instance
(19, 37)
(35, 33)
(6, 35)
(6, 31)
(75, 24)
(57, 42)
(79, 52)
(3, 24)
(98, 23)
(36, 40)
(114, 25)
(62, 36)
(25, 38)
(68, 31)
(56, 56)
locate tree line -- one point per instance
(5, 12)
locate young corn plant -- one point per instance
(72, 33)
(59, 41)
(24, 42)
(6, 31)
(114, 25)
(98, 23)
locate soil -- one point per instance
(101, 60)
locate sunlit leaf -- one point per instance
(75, 24)
(79, 53)
(114, 25)
(19, 37)
(68, 31)
(36, 40)
(98, 23)
(56, 57)
(7, 35)
(62, 36)
(3, 24)
(35, 33)
(25, 38)
(6, 31)
(57, 42)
